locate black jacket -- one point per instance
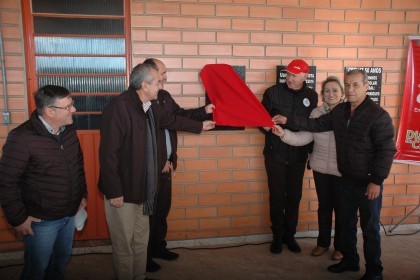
(365, 145)
(41, 175)
(279, 99)
(168, 103)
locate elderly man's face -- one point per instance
(295, 81)
(162, 72)
(154, 87)
(355, 89)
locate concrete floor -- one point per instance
(400, 257)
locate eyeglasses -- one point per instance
(68, 108)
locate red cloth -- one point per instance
(236, 104)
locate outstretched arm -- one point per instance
(299, 138)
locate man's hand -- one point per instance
(26, 228)
(279, 119)
(83, 204)
(207, 125)
(117, 202)
(373, 191)
(168, 168)
(209, 108)
(278, 130)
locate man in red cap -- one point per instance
(285, 164)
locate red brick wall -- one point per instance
(220, 186)
(11, 28)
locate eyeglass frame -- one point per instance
(67, 108)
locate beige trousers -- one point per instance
(129, 230)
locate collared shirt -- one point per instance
(168, 145)
(146, 106)
(49, 128)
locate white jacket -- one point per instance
(323, 159)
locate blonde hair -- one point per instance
(332, 79)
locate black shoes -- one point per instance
(152, 266)
(342, 267)
(276, 246)
(165, 254)
(292, 244)
(368, 276)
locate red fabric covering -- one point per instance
(236, 104)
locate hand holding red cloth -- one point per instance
(236, 104)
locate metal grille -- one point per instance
(87, 7)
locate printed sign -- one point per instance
(408, 139)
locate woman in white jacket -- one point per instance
(323, 161)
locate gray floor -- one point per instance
(400, 256)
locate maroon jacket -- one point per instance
(122, 150)
(41, 175)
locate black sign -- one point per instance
(310, 81)
(375, 81)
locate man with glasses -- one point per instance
(42, 183)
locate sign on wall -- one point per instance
(310, 81)
(375, 82)
(408, 139)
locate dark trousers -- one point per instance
(328, 191)
(285, 187)
(353, 198)
(158, 222)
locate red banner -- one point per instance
(408, 140)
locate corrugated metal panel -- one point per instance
(95, 227)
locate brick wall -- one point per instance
(220, 186)
(12, 37)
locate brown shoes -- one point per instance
(318, 251)
(336, 256)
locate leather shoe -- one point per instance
(318, 251)
(152, 266)
(368, 276)
(165, 254)
(343, 266)
(292, 244)
(276, 246)
(336, 256)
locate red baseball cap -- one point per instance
(297, 66)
